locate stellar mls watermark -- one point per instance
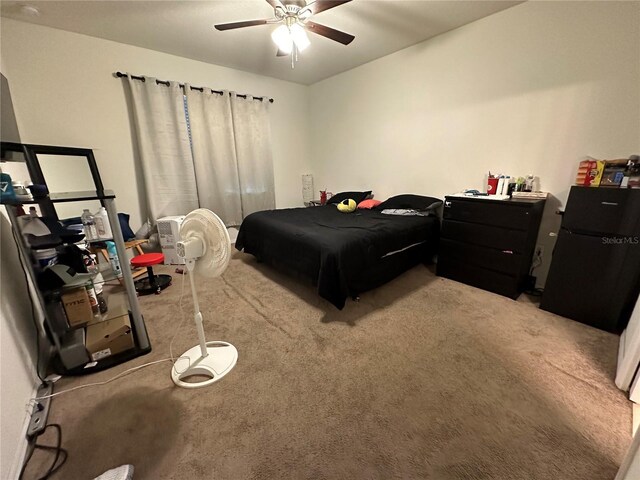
(620, 240)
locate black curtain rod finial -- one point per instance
(200, 89)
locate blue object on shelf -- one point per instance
(113, 258)
(7, 194)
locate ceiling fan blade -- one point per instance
(248, 23)
(322, 5)
(276, 4)
(280, 53)
(329, 32)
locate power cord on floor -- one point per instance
(533, 290)
(60, 453)
(96, 384)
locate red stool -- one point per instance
(153, 283)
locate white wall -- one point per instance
(532, 89)
(17, 354)
(64, 93)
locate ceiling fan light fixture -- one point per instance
(293, 17)
(282, 38)
(299, 36)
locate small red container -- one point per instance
(492, 185)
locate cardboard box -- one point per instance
(596, 176)
(590, 173)
(583, 178)
(108, 338)
(77, 306)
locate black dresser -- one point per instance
(595, 271)
(489, 243)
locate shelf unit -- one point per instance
(120, 292)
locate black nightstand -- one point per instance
(489, 243)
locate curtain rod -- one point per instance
(200, 89)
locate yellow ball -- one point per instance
(347, 206)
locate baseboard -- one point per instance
(21, 450)
(619, 380)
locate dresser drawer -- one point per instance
(461, 271)
(487, 212)
(484, 235)
(504, 261)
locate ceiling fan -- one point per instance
(293, 15)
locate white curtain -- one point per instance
(252, 135)
(226, 165)
(214, 154)
(164, 148)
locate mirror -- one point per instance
(68, 173)
(74, 209)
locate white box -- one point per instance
(169, 233)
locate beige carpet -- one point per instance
(423, 378)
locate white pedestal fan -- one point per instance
(206, 248)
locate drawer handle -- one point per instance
(447, 203)
(510, 252)
(615, 204)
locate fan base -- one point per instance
(221, 358)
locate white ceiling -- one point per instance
(185, 28)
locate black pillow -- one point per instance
(413, 202)
(355, 196)
(127, 233)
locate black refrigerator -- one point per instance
(595, 271)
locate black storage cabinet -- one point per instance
(595, 272)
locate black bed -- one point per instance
(343, 254)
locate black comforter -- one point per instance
(339, 252)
